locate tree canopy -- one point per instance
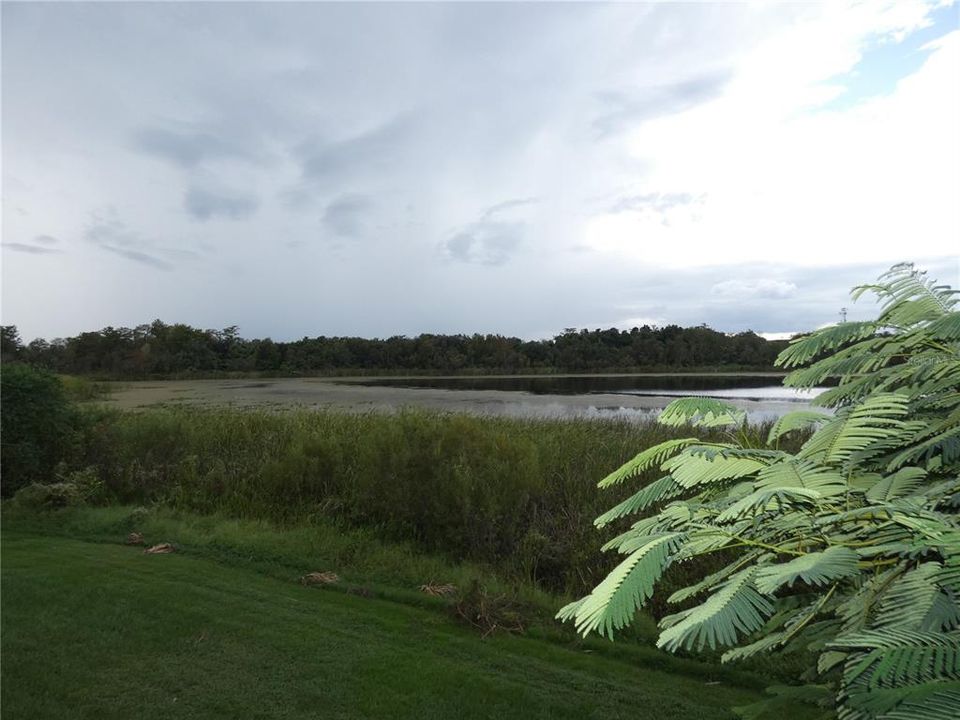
(159, 349)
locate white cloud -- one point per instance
(786, 183)
(680, 155)
(748, 289)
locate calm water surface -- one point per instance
(762, 396)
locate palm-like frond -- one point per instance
(892, 656)
(701, 411)
(796, 420)
(651, 457)
(692, 470)
(613, 602)
(946, 328)
(804, 349)
(657, 491)
(736, 609)
(765, 499)
(807, 474)
(937, 705)
(901, 483)
(817, 568)
(916, 601)
(849, 547)
(876, 419)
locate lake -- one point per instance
(628, 397)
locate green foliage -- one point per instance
(38, 426)
(162, 350)
(848, 548)
(519, 495)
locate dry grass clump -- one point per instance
(320, 578)
(161, 549)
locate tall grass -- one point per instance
(518, 495)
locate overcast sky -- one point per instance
(379, 169)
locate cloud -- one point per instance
(627, 109)
(204, 204)
(138, 257)
(708, 146)
(107, 231)
(509, 205)
(656, 202)
(487, 242)
(754, 289)
(375, 150)
(46, 239)
(31, 249)
(187, 148)
(106, 228)
(491, 239)
(348, 215)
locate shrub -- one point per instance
(38, 426)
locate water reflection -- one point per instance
(643, 396)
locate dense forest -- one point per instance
(159, 350)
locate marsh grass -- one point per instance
(84, 389)
(513, 494)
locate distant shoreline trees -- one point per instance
(178, 350)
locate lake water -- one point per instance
(622, 397)
(746, 387)
(762, 396)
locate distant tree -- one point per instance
(10, 344)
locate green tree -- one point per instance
(37, 426)
(848, 548)
(10, 344)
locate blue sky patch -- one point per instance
(885, 62)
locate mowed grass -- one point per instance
(104, 631)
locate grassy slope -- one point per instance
(103, 631)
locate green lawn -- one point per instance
(104, 631)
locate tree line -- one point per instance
(159, 349)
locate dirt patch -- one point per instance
(320, 578)
(161, 549)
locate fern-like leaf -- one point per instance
(651, 457)
(736, 609)
(818, 568)
(876, 419)
(657, 491)
(701, 411)
(796, 420)
(613, 603)
(901, 483)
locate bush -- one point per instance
(38, 426)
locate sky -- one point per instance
(379, 169)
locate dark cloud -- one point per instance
(348, 215)
(108, 232)
(486, 242)
(108, 229)
(138, 257)
(46, 239)
(32, 249)
(377, 149)
(205, 204)
(626, 109)
(491, 239)
(186, 148)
